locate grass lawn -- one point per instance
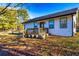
(53, 45)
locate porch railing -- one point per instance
(41, 30)
(32, 31)
(37, 30)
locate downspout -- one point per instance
(72, 26)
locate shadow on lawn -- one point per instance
(5, 53)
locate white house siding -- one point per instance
(36, 23)
(62, 31)
(46, 25)
(29, 25)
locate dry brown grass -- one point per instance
(54, 45)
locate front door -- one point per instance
(41, 27)
(41, 24)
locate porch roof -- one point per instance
(63, 13)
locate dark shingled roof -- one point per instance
(67, 12)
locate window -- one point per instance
(63, 22)
(51, 23)
(35, 25)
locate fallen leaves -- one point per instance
(53, 45)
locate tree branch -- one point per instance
(4, 10)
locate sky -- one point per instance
(41, 9)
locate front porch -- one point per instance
(39, 30)
(36, 32)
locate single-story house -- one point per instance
(64, 23)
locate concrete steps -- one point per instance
(33, 36)
(39, 36)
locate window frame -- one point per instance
(51, 26)
(63, 25)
